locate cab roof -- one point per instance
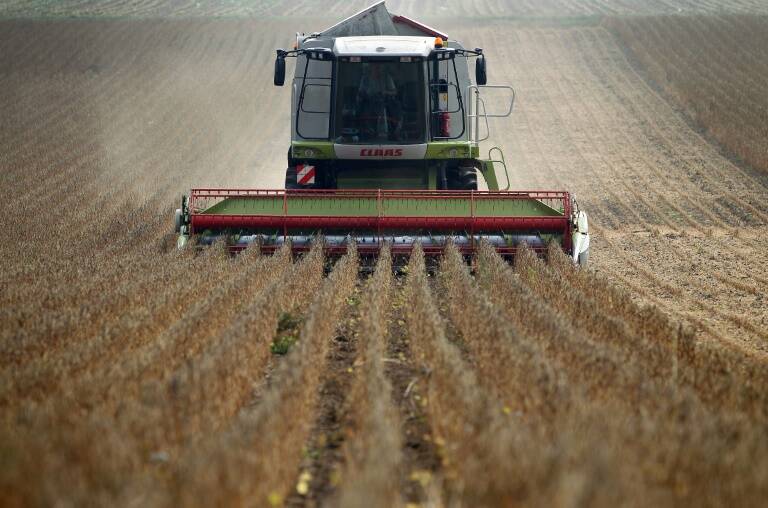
(384, 45)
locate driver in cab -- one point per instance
(377, 94)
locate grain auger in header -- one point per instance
(386, 127)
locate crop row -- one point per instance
(373, 458)
(256, 458)
(164, 409)
(475, 433)
(209, 389)
(516, 370)
(630, 387)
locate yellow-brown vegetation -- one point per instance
(133, 374)
(371, 474)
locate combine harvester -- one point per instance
(385, 147)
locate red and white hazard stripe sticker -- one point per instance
(305, 174)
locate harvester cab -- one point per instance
(384, 102)
(386, 126)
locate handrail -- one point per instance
(502, 162)
(511, 102)
(481, 102)
(474, 110)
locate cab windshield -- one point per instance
(380, 101)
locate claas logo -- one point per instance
(381, 152)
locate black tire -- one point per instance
(290, 178)
(462, 177)
(468, 178)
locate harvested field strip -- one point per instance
(714, 87)
(371, 474)
(725, 279)
(609, 294)
(222, 470)
(566, 116)
(750, 334)
(726, 370)
(611, 159)
(581, 92)
(659, 209)
(478, 9)
(739, 189)
(646, 171)
(684, 141)
(736, 242)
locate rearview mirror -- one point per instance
(279, 70)
(481, 78)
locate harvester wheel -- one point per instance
(468, 177)
(463, 177)
(290, 178)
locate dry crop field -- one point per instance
(341, 8)
(134, 374)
